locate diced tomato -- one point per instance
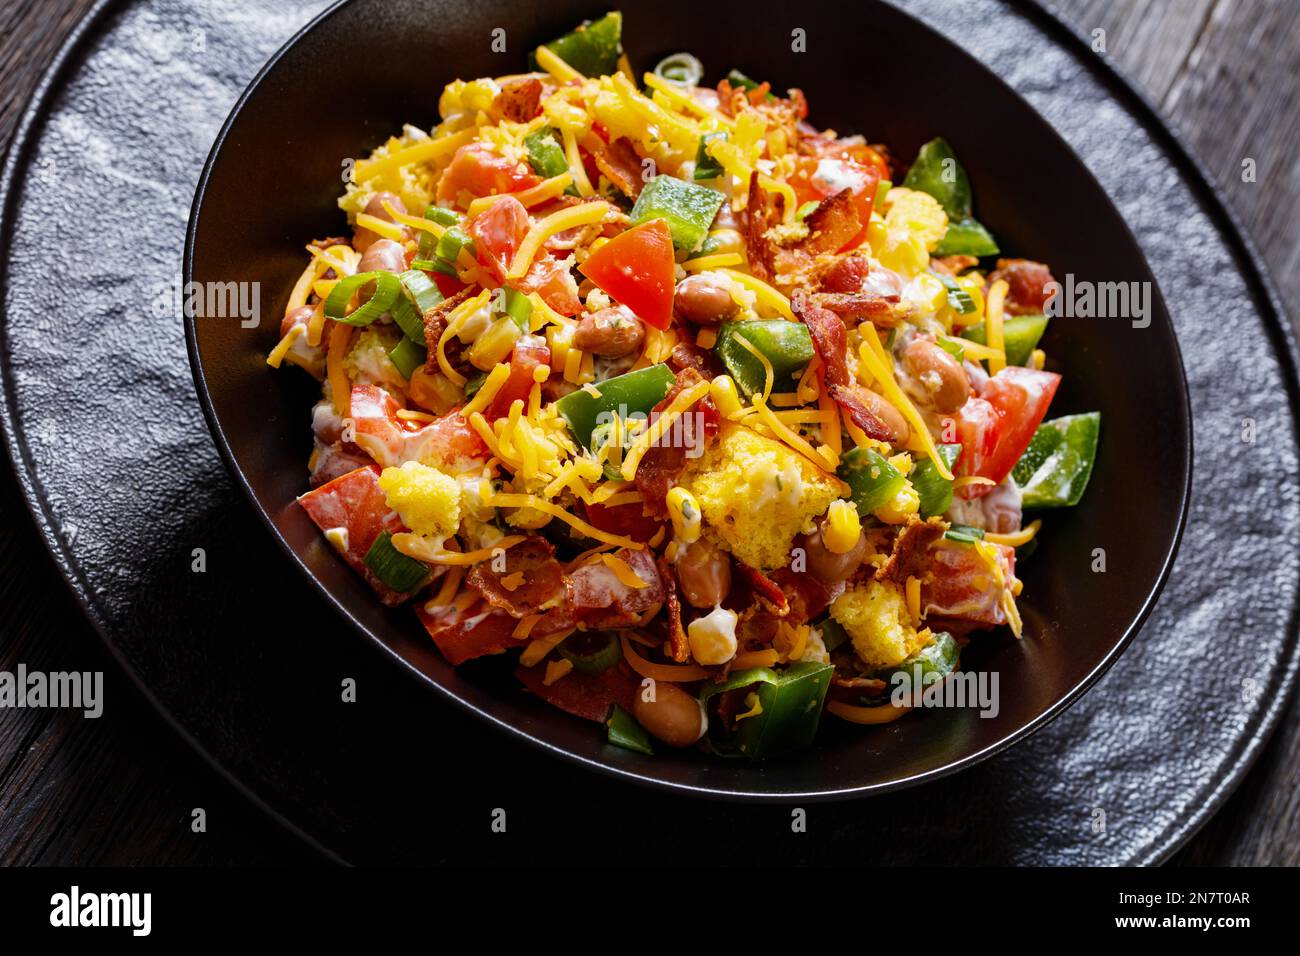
(477, 170)
(996, 426)
(636, 268)
(551, 279)
(589, 696)
(464, 635)
(628, 520)
(497, 233)
(390, 440)
(356, 503)
(446, 284)
(530, 352)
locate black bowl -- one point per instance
(359, 71)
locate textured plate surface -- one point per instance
(111, 448)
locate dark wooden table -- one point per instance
(121, 789)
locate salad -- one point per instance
(707, 421)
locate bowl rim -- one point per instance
(628, 774)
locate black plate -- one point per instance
(1030, 188)
(112, 452)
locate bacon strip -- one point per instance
(519, 100)
(761, 214)
(909, 557)
(832, 225)
(618, 162)
(664, 460)
(539, 585)
(435, 323)
(677, 643)
(767, 590)
(830, 341)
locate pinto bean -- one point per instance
(704, 573)
(383, 255)
(899, 429)
(701, 300)
(940, 374)
(674, 716)
(363, 238)
(299, 316)
(610, 332)
(828, 567)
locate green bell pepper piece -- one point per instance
(937, 172)
(689, 209)
(966, 237)
(515, 304)
(593, 49)
(591, 652)
(933, 489)
(939, 657)
(625, 732)
(1020, 335)
(546, 156)
(833, 633)
(872, 480)
(638, 391)
(791, 702)
(1055, 468)
(787, 345)
(706, 167)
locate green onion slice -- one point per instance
(394, 569)
(387, 288)
(407, 357)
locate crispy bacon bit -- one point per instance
(909, 555)
(872, 685)
(877, 309)
(618, 162)
(832, 225)
(1026, 282)
(767, 591)
(599, 599)
(959, 588)
(808, 595)
(830, 342)
(762, 212)
(530, 351)
(678, 647)
(953, 265)
(543, 579)
(687, 354)
(435, 323)
(519, 100)
(664, 460)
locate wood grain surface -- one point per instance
(122, 789)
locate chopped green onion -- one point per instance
(958, 298)
(706, 167)
(882, 190)
(806, 210)
(428, 241)
(419, 295)
(952, 347)
(407, 356)
(625, 732)
(738, 79)
(681, 68)
(515, 304)
(387, 289)
(964, 533)
(592, 652)
(394, 569)
(452, 242)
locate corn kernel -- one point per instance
(685, 513)
(723, 392)
(843, 529)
